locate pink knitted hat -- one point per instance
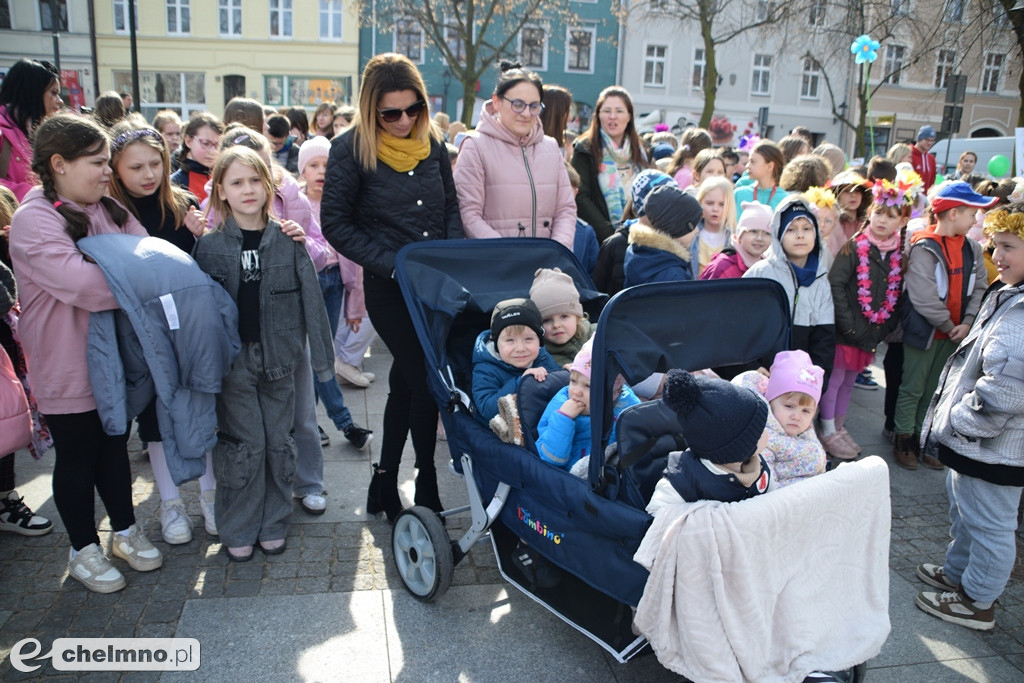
(794, 371)
(583, 360)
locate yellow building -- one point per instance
(196, 55)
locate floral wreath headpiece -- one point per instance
(820, 197)
(1002, 220)
(903, 192)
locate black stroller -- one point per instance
(588, 528)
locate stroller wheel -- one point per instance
(423, 553)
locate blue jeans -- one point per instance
(984, 547)
(329, 392)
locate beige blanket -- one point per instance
(771, 588)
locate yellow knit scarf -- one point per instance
(401, 154)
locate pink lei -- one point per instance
(892, 291)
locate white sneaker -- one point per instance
(92, 568)
(175, 526)
(314, 503)
(350, 374)
(207, 507)
(136, 550)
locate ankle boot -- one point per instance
(426, 489)
(383, 494)
(927, 459)
(904, 451)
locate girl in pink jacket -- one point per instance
(30, 92)
(59, 291)
(510, 177)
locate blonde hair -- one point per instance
(385, 73)
(8, 205)
(248, 157)
(898, 152)
(170, 196)
(725, 185)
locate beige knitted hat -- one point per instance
(554, 292)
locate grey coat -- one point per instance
(291, 305)
(978, 408)
(175, 337)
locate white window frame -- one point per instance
(39, 10)
(764, 9)
(422, 40)
(657, 6)
(454, 39)
(655, 61)
(121, 12)
(817, 12)
(945, 61)
(282, 8)
(181, 9)
(543, 66)
(330, 8)
(810, 80)
(700, 63)
(584, 28)
(948, 5)
(761, 75)
(894, 56)
(992, 73)
(183, 106)
(1000, 20)
(230, 7)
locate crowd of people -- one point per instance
(299, 220)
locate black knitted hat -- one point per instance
(721, 422)
(516, 312)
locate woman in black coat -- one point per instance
(389, 183)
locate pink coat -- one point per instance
(725, 265)
(58, 289)
(512, 187)
(20, 178)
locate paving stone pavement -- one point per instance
(341, 559)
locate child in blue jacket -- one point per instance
(507, 352)
(564, 430)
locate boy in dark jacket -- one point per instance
(506, 353)
(659, 244)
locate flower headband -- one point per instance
(903, 192)
(1002, 220)
(132, 135)
(820, 197)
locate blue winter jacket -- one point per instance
(494, 378)
(175, 337)
(653, 256)
(561, 440)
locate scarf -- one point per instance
(401, 154)
(884, 247)
(806, 275)
(613, 174)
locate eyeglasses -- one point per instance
(208, 145)
(392, 115)
(609, 112)
(519, 106)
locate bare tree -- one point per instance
(1016, 20)
(913, 31)
(471, 35)
(719, 22)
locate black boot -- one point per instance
(426, 489)
(383, 494)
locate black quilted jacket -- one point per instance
(369, 216)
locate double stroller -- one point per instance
(587, 529)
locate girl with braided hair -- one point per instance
(59, 290)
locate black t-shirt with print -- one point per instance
(249, 287)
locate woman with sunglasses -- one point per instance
(607, 157)
(198, 154)
(389, 183)
(511, 178)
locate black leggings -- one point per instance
(7, 472)
(89, 461)
(410, 407)
(893, 366)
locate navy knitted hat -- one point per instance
(720, 421)
(645, 181)
(672, 211)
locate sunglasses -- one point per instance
(392, 115)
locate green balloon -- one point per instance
(998, 166)
(939, 178)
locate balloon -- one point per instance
(939, 178)
(998, 166)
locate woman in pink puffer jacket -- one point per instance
(510, 178)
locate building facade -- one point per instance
(26, 31)
(804, 74)
(580, 55)
(195, 56)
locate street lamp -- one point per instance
(446, 80)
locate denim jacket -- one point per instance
(291, 306)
